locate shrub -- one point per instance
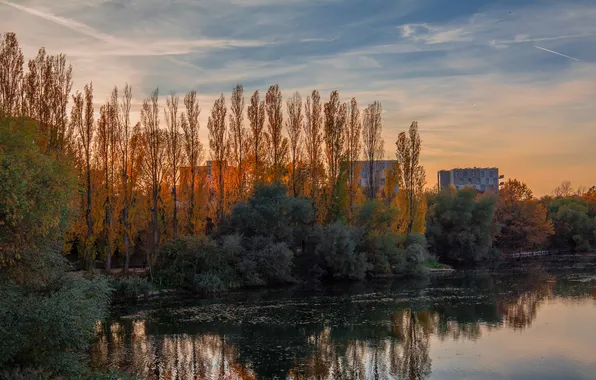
(130, 287)
(337, 247)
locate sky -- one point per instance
(509, 83)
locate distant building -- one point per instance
(379, 172)
(481, 179)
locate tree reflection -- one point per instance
(355, 337)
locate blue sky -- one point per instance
(474, 73)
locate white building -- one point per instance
(481, 179)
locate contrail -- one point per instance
(554, 52)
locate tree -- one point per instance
(335, 122)
(573, 228)
(82, 120)
(238, 137)
(278, 144)
(313, 142)
(459, 227)
(258, 139)
(353, 147)
(11, 75)
(154, 140)
(174, 149)
(294, 126)
(563, 190)
(218, 143)
(372, 127)
(412, 176)
(126, 150)
(521, 220)
(192, 148)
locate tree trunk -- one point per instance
(155, 232)
(88, 219)
(126, 242)
(175, 212)
(191, 222)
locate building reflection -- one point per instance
(391, 342)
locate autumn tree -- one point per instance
(106, 152)
(193, 149)
(372, 140)
(218, 143)
(238, 138)
(126, 150)
(294, 126)
(334, 135)
(174, 151)
(258, 137)
(155, 144)
(278, 144)
(313, 137)
(83, 122)
(563, 190)
(11, 75)
(353, 147)
(521, 220)
(412, 176)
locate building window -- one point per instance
(482, 173)
(465, 173)
(473, 174)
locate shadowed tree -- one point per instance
(313, 137)
(193, 149)
(258, 138)
(238, 138)
(372, 141)
(218, 143)
(82, 121)
(11, 75)
(334, 135)
(60, 133)
(154, 162)
(126, 167)
(278, 144)
(294, 126)
(412, 176)
(174, 149)
(353, 145)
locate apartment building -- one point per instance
(481, 179)
(380, 173)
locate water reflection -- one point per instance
(381, 332)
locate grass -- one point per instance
(435, 264)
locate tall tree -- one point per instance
(192, 148)
(335, 122)
(258, 138)
(353, 147)
(11, 75)
(126, 154)
(154, 162)
(294, 126)
(82, 121)
(314, 141)
(412, 176)
(238, 138)
(60, 133)
(372, 140)
(218, 144)
(278, 144)
(174, 148)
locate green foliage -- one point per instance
(47, 325)
(35, 192)
(574, 229)
(130, 287)
(416, 256)
(337, 249)
(385, 254)
(459, 227)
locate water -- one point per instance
(534, 322)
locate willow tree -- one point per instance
(372, 140)
(11, 75)
(294, 126)
(278, 144)
(174, 152)
(193, 149)
(155, 144)
(412, 176)
(258, 138)
(313, 137)
(218, 143)
(353, 147)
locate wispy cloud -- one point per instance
(554, 52)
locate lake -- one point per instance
(535, 320)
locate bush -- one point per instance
(337, 248)
(416, 255)
(385, 254)
(130, 287)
